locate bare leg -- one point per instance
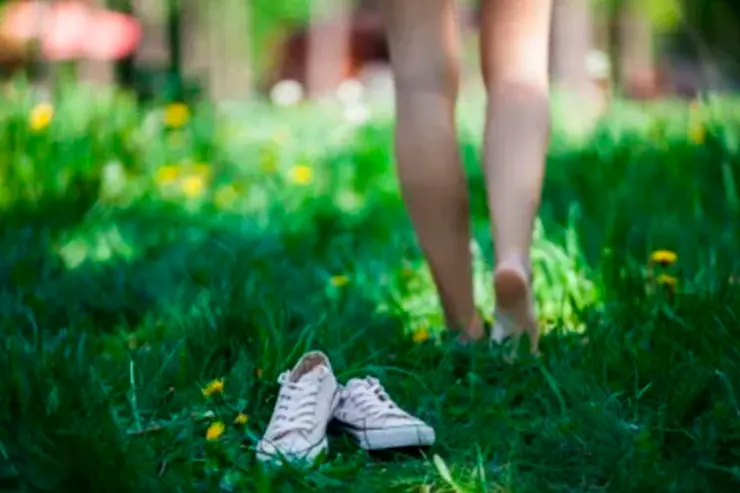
(514, 51)
(423, 40)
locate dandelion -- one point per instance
(215, 430)
(176, 115)
(202, 169)
(666, 280)
(697, 133)
(241, 419)
(167, 174)
(421, 335)
(697, 130)
(214, 387)
(193, 186)
(225, 196)
(301, 175)
(41, 116)
(339, 281)
(663, 257)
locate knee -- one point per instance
(520, 91)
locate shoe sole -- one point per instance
(390, 438)
(307, 457)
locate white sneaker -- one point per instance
(366, 413)
(305, 404)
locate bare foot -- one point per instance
(474, 332)
(514, 307)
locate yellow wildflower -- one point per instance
(666, 280)
(258, 373)
(421, 335)
(241, 419)
(167, 174)
(225, 196)
(301, 175)
(41, 116)
(696, 129)
(202, 169)
(663, 257)
(339, 281)
(214, 387)
(697, 133)
(176, 115)
(193, 186)
(215, 431)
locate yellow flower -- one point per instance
(214, 387)
(193, 186)
(697, 133)
(167, 174)
(215, 431)
(663, 257)
(421, 335)
(202, 169)
(666, 280)
(41, 116)
(176, 115)
(339, 281)
(258, 373)
(301, 175)
(241, 419)
(225, 196)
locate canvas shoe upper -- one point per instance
(305, 404)
(368, 414)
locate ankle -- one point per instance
(517, 262)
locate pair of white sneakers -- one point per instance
(310, 399)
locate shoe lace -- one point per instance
(295, 410)
(373, 401)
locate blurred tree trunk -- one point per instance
(571, 44)
(124, 69)
(631, 48)
(154, 48)
(636, 57)
(194, 40)
(229, 50)
(328, 45)
(94, 71)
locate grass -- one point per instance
(139, 263)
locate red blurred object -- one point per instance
(71, 30)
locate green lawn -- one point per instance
(139, 263)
